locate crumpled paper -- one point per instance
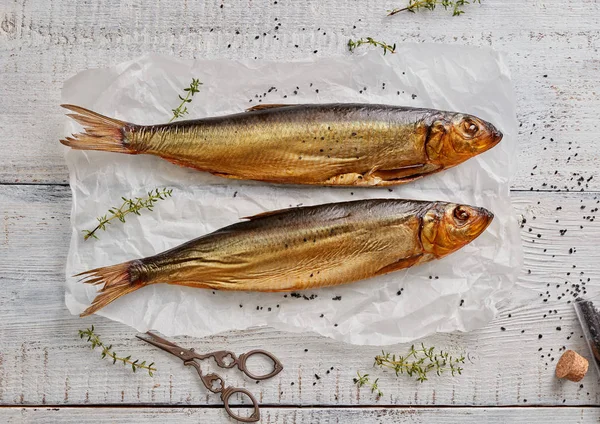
(458, 292)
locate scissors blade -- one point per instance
(161, 343)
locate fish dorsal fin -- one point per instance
(263, 107)
(283, 211)
(268, 213)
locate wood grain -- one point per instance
(313, 415)
(42, 361)
(551, 48)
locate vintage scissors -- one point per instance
(189, 358)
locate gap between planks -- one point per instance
(512, 190)
(291, 406)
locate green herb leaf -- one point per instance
(414, 5)
(363, 380)
(181, 110)
(353, 44)
(94, 339)
(416, 363)
(129, 206)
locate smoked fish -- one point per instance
(302, 248)
(317, 144)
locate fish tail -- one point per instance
(101, 132)
(118, 281)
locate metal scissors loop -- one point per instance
(225, 392)
(220, 357)
(189, 357)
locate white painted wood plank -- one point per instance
(42, 362)
(572, 415)
(42, 43)
(551, 47)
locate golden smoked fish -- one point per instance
(302, 248)
(319, 144)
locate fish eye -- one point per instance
(461, 214)
(469, 127)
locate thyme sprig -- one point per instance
(363, 380)
(129, 206)
(182, 110)
(414, 5)
(418, 363)
(353, 44)
(107, 352)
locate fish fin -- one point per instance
(179, 162)
(385, 177)
(263, 107)
(282, 211)
(268, 213)
(403, 180)
(101, 132)
(223, 175)
(406, 173)
(400, 264)
(117, 281)
(185, 164)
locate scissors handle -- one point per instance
(209, 382)
(221, 355)
(227, 392)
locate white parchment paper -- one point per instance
(457, 293)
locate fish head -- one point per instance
(446, 227)
(454, 138)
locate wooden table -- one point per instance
(47, 374)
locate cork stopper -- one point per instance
(571, 366)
